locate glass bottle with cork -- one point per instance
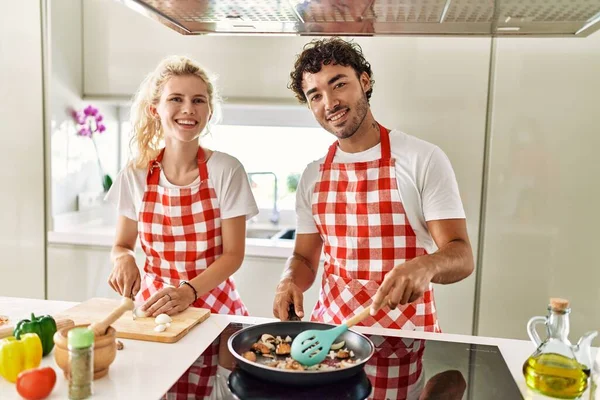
(81, 363)
(595, 379)
(557, 368)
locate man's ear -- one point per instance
(365, 81)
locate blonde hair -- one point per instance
(147, 131)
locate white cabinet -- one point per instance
(22, 240)
(542, 215)
(257, 279)
(77, 273)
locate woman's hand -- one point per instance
(169, 301)
(125, 276)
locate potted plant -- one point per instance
(89, 124)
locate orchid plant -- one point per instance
(89, 124)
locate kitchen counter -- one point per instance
(97, 232)
(139, 372)
(278, 248)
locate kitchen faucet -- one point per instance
(275, 213)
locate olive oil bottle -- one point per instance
(556, 375)
(555, 369)
(595, 379)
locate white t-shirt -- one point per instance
(425, 177)
(225, 173)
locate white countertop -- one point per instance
(139, 372)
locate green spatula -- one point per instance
(312, 346)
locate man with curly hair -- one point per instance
(385, 210)
(382, 205)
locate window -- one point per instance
(251, 134)
(284, 151)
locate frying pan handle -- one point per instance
(292, 313)
(358, 317)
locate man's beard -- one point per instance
(351, 125)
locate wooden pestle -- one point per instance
(100, 328)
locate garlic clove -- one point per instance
(162, 319)
(338, 345)
(138, 313)
(267, 338)
(269, 345)
(160, 328)
(168, 324)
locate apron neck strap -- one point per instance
(155, 167)
(203, 170)
(384, 133)
(386, 152)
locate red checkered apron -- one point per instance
(359, 213)
(180, 232)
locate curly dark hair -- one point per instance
(324, 52)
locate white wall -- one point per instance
(22, 237)
(74, 168)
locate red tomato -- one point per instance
(36, 384)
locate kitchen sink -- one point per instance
(260, 233)
(288, 234)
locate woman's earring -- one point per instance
(157, 125)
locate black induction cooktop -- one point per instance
(401, 368)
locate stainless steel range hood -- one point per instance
(505, 18)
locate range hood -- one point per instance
(502, 18)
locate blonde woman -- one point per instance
(187, 204)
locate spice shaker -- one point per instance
(81, 363)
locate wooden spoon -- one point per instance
(312, 346)
(100, 328)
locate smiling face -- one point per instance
(183, 108)
(337, 98)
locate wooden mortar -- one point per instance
(105, 342)
(105, 350)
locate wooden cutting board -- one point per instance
(97, 309)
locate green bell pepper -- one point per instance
(44, 327)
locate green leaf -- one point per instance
(292, 182)
(107, 182)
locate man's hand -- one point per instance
(404, 284)
(452, 262)
(288, 293)
(298, 275)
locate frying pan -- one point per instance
(245, 386)
(242, 341)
